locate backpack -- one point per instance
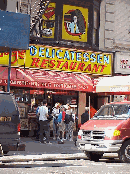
(37, 110)
(67, 118)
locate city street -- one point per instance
(105, 166)
(57, 159)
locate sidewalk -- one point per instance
(35, 151)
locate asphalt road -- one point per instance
(104, 166)
(57, 163)
(36, 148)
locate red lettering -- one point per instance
(6, 53)
(59, 63)
(95, 68)
(103, 66)
(21, 54)
(52, 64)
(65, 65)
(88, 68)
(35, 62)
(1, 54)
(74, 66)
(81, 66)
(14, 54)
(44, 62)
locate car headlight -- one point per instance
(116, 133)
(110, 132)
(80, 133)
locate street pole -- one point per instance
(9, 70)
(89, 107)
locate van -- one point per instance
(107, 132)
(9, 124)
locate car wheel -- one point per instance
(94, 156)
(5, 152)
(124, 153)
(1, 151)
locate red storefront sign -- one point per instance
(41, 79)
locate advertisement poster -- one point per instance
(75, 23)
(122, 63)
(49, 21)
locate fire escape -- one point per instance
(36, 9)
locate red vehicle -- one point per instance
(108, 131)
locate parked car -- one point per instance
(108, 131)
(9, 124)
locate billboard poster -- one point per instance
(122, 63)
(49, 21)
(75, 23)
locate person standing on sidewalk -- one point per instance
(71, 128)
(67, 120)
(43, 111)
(38, 125)
(55, 112)
(61, 126)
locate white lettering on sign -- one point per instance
(118, 89)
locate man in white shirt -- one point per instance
(43, 120)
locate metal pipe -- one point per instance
(89, 107)
(9, 70)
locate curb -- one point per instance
(43, 157)
(50, 157)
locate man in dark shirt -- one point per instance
(85, 116)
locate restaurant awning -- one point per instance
(113, 85)
(46, 79)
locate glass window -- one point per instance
(95, 28)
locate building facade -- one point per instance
(65, 40)
(115, 37)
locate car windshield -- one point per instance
(113, 111)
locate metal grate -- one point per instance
(93, 135)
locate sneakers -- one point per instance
(44, 138)
(60, 142)
(45, 142)
(48, 142)
(54, 138)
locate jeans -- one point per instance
(37, 131)
(55, 129)
(69, 130)
(44, 128)
(61, 130)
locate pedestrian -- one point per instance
(43, 111)
(37, 120)
(71, 127)
(55, 113)
(67, 120)
(61, 126)
(85, 116)
(63, 122)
